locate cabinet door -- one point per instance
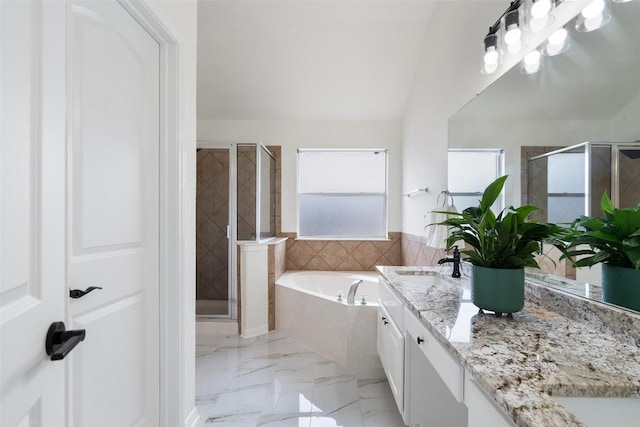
(394, 349)
(391, 351)
(382, 317)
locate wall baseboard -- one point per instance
(255, 332)
(193, 420)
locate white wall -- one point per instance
(447, 77)
(180, 17)
(624, 126)
(291, 135)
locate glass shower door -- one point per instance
(629, 176)
(212, 237)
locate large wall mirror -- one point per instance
(591, 92)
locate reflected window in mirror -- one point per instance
(469, 173)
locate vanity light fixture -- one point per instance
(491, 58)
(540, 8)
(537, 14)
(595, 15)
(512, 31)
(504, 36)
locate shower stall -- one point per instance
(235, 201)
(569, 182)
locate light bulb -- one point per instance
(593, 23)
(489, 68)
(558, 37)
(532, 62)
(540, 8)
(532, 57)
(491, 56)
(513, 35)
(538, 24)
(593, 9)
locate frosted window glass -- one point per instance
(566, 173)
(472, 171)
(464, 202)
(564, 209)
(342, 215)
(342, 171)
(342, 194)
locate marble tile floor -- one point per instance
(274, 381)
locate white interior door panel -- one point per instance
(113, 215)
(32, 206)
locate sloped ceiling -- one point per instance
(308, 59)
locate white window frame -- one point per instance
(345, 193)
(499, 168)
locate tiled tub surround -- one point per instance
(522, 362)
(307, 310)
(274, 381)
(415, 251)
(341, 255)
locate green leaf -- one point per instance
(491, 193)
(525, 211)
(607, 206)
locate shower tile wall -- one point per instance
(629, 179)
(276, 150)
(246, 192)
(212, 217)
(341, 255)
(277, 254)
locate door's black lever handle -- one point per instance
(77, 293)
(60, 342)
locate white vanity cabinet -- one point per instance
(430, 386)
(390, 343)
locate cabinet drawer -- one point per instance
(448, 368)
(391, 302)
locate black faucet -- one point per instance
(455, 260)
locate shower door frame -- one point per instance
(614, 184)
(232, 301)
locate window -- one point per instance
(470, 171)
(342, 194)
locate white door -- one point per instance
(32, 205)
(79, 206)
(113, 225)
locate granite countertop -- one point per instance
(524, 361)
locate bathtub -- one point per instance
(307, 309)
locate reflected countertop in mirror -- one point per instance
(581, 289)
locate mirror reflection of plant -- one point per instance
(508, 240)
(613, 240)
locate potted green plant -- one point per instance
(614, 242)
(498, 247)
